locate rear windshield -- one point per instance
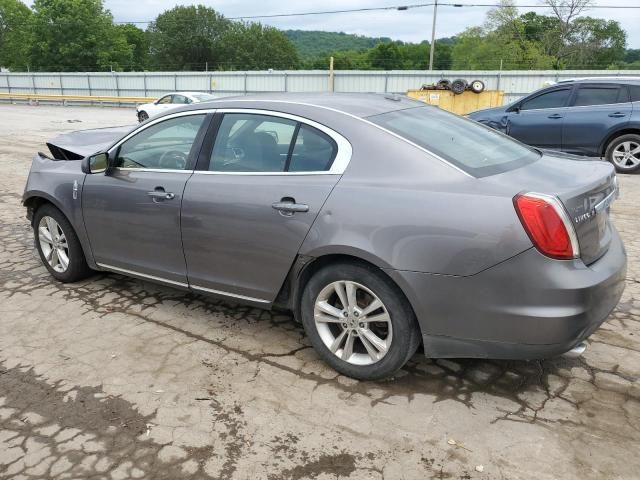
(476, 149)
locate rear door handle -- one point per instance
(617, 115)
(159, 195)
(555, 116)
(287, 206)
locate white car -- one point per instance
(169, 101)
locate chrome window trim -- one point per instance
(138, 274)
(340, 162)
(364, 120)
(156, 170)
(227, 294)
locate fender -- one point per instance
(31, 197)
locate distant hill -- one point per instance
(312, 43)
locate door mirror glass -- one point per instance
(98, 163)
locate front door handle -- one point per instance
(555, 116)
(617, 115)
(158, 195)
(287, 206)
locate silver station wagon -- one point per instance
(382, 223)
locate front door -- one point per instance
(132, 215)
(247, 212)
(538, 120)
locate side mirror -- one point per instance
(98, 163)
(517, 108)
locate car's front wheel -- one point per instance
(58, 245)
(624, 153)
(142, 116)
(359, 321)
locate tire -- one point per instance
(76, 267)
(142, 116)
(618, 152)
(477, 86)
(443, 84)
(397, 336)
(458, 86)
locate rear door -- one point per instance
(261, 180)
(538, 119)
(596, 111)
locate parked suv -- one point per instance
(597, 117)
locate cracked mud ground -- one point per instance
(118, 378)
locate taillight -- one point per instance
(547, 224)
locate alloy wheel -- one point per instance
(353, 323)
(53, 244)
(627, 155)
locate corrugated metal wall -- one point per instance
(153, 84)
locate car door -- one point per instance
(538, 119)
(132, 213)
(259, 186)
(164, 103)
(596, 111)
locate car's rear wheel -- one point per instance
(359, 321)
(142, 116)
(58, 245)
(624, 153)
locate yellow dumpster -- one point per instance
(462, 104)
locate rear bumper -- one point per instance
(527, 307)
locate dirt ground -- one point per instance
(119, 378)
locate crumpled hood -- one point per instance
(77, 145)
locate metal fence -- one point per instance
(152, 84)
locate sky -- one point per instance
(412, 25)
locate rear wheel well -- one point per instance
(613, 136)
(299, 283)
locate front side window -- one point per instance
(165, 145)
(553, 99)
(165, 100)
(597, 96)
(476, 149)
(264, 143)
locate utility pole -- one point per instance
(433, 34)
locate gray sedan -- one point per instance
(383, 224)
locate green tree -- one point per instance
(138, 39)
(386, 56)
(594, 43)
(253, 46)
(76, 35)
(15, 34)
(187, 37)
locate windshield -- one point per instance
(476, 149)
(203, 97)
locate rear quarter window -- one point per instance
(474, 148)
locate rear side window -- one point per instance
(635, 93)
(313, 151)
(263, 143)
(600, 96)
(476, 149)
(553, 99)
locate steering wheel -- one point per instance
(173, 159)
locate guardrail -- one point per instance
(64, 99)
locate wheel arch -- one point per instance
(627, 129)
(36, 199)
(305, 267)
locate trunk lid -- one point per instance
(586, 189)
